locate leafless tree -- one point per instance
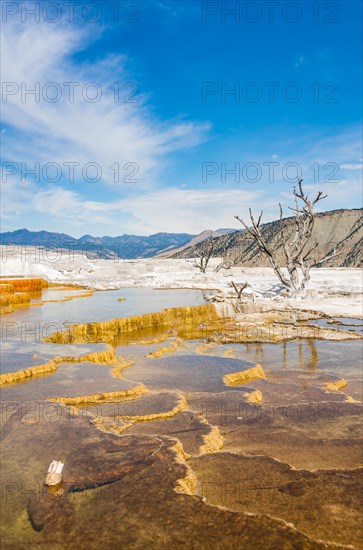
(226, 262)
(244, 292)
(203, 254)
(296, 245)
(239, 289)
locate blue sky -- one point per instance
(155, 156)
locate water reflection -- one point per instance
(23, 331)
(342, 358)
(314, 358)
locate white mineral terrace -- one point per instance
(335, 291)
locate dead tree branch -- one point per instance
(203, 254)
(239, 290)
(294, 242)
(226, 262)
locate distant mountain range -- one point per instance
(123, 246)
(341, 230)
(207, 234)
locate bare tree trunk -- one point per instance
(294, 243)
(203, 255)
(226, 262)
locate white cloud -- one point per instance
(170, 210)
(352, 166)
(301, 60)
(342, 194)
(104, 132)
(107, 132)
(191, 210)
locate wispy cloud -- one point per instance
(193, 209)
(106, 131)
(170, 209)
(301, 60)
(352, 166)
(110, 131)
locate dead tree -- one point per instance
(296, 245)
(226, 262)
(241, 295)
(240, 289)
(203, 254)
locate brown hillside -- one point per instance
(342, 229)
